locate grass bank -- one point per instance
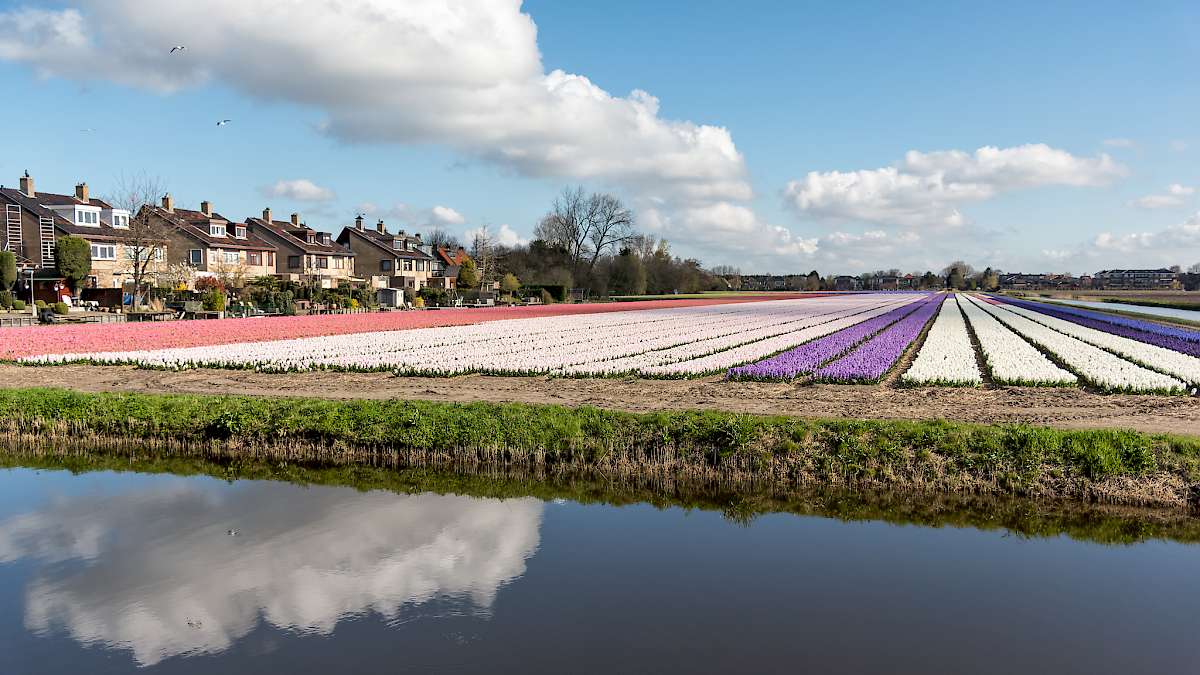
(737, 453)
(1098, 523)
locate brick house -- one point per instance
(388, 260)
(302, 253)
(213, 245)
(446, 265)
(41, 217)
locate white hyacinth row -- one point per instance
(667, 342)
(1011, 360)
(947, 356)
(1094, 364)
(1169, 361)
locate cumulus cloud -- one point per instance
(464, 73)
(504, 236)
(927, 189)
(1175, 195)
(176, 584)
(1165, 244)
(300, 190)
(415, 218)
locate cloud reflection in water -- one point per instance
(157, 571)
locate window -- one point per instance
(195, 256)
(240, 232)
(253, 257)
(120, 221)
(216, 230)
(339, 262)
(323, 262)
(232, 257)
(420, 265)
(398, 244)
(293, 262)
(104, 252)
(385, 265)
(270, 258)
(408, 265)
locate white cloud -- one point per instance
(1179, 145)
(504, 236)
(417, 219)
(1119, 142)
(446, 216)
(1165, 244)
(300, 189)
(177, 584)
(1176, 195)
(464, 73)
(926, 189)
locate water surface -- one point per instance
(107, 573)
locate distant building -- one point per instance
(211, 244)
(387, 259)
(847, 283)
(1161, 278)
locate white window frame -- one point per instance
(195, 256)
(232, 257)
(104, 252)
(215, 230)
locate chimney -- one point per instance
(358, 222)
(295, 220)
(267, 215)
(206, 208)
(81, 192)
(168, 203)
(379, 226)
(27, 185)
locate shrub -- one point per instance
(419, 302)
(547, 299)
(19, 305)
(6, 300)
(209, 284)
(73, 259)
(214, 301)
(8, 270)
(61, 308)
(40, 304)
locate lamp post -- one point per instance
(32, 306)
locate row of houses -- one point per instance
(213, 245)
(1120, 279)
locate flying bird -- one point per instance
(87, 130)
(178, 48)
(223, 122)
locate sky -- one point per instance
(771, 136)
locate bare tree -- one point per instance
(483, 253)
(586, 226)
(439, 238)
(146, 237)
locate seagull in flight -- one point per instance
(223, 122)
(178, 48)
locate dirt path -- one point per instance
(1066, 407)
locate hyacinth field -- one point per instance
(910, 339)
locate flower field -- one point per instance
(917, 339)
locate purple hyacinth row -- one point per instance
(809, 356)
(873, 358)
(1178, 339)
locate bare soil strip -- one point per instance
(1068, 407)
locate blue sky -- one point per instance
(779, 141)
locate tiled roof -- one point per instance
(286, 230)
(33, 205)
(51, 199)
(195, 225)
(384, 240)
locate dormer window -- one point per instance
(216, 230)
(240, 232)
(398, 244)
(87, 217)
(121, 221)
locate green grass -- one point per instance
(930, 455)
(1110, 525)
